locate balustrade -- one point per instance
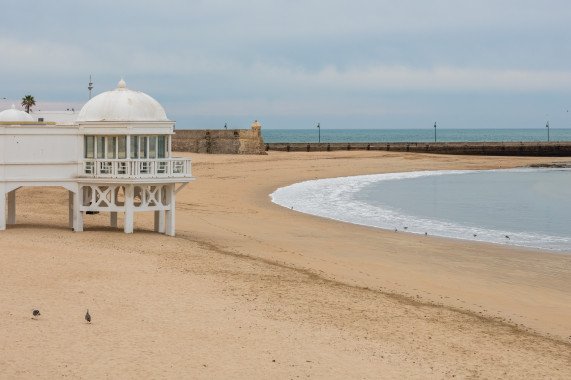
(136, 168)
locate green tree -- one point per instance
(28, 101)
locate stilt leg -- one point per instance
(170, 217)
(70, 208)
(77, 213)
(129, 209)
(12, 207)
(159, 221)
(113, 219)
(2, 208)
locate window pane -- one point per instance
(152, 146)
(89, 150)
(100, 146)
(111, 143)
(162, 147)
(122, 148)
(134, 146)
(143, 153)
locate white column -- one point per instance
(129, 209)
(2, 208)
(128, 150)
(70, 208)
(160, 221)
(170, 147)
(12, 207)
(77, 213)
(113, 219)
(170, 217)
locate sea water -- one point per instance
(412, 135)
(522, 207)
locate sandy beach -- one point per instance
(249, 289)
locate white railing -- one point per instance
(142, 168)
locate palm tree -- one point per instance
(28, 101)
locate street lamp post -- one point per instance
(547, 126)
(434, 131)
(319, 133)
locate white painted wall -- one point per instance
(39, 152)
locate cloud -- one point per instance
(41, 56)
(292, 57)
(264, 107)
(387, 79)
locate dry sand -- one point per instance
(249, 289)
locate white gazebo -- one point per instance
(116, 157)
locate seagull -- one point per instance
(35, 312)
(396, 230)
(87, 316)
(507, 237)
(475, 235)
(405, 228)
(426, 233)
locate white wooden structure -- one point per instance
(116, 157)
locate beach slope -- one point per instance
(249, 289)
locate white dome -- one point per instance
(15, 115)
(122, 104)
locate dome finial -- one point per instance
(122, 83)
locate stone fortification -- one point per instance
(546, 149)
(221, 141)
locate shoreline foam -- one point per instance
(334, 198)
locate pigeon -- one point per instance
(87, 316)
(35, 312)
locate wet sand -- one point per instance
(249, 289)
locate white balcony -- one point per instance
(137, 168)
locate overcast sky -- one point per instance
(296, 63)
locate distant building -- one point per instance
(114, 156)
(68, 116)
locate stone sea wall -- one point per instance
(547, 149)
(220, 141)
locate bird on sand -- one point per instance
(35, 312)
(405, 228)
(87, 316)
